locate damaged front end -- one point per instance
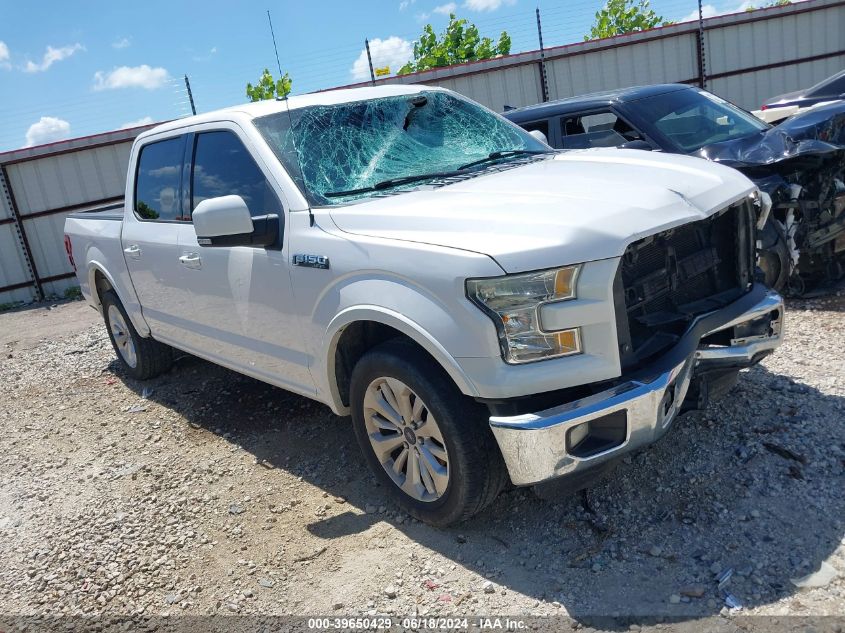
(800, 164)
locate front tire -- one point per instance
(142, 358)
(427, 443)
(774, 255)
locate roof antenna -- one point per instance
(290, 120)
(275, 48)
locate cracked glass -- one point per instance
(345, 147)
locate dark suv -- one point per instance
(798, 163)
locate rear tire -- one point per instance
(436, 453)
(142, 358)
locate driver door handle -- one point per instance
(133, 251)
(191, 260)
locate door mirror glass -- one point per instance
(539, 136)
(223, 216)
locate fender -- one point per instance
(398, 321)
(130, 304)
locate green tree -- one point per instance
(773, 3)
(268, 88)
(459, 43)
(618, 17)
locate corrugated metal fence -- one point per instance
(745, 58)
(38, 188)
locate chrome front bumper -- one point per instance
(538, 446)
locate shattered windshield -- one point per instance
(691, 119)
(346, 151)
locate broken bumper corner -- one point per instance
(579, 435)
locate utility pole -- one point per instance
(544, 82)
(190, 95)
(702, 64)
(370, 59)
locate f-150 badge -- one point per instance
(311, 261)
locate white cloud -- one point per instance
(486, 5)
(51, 56)
(445, 9)
(393, 52)
(142, 121)
(405, 4)
(47, 130)
(709, 11)
(131, 77)
(123, 42)
(204, 58)
(4, 56)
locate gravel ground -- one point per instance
(205, 492)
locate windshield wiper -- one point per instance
(404, 180)
(504, 154)
(394, 182)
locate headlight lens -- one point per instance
(513, 303)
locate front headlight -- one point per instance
(513, 303)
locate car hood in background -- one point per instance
(786, 96)
(816, 131)
(579, 206)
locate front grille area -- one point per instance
(666, 280)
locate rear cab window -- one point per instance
(158, 181)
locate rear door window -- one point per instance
(158, 184)
(224, 167)
(599, 129)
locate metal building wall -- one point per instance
(515, 86)
(14, 269)
(627, 61)
(750, 61)
(45, 185)
(748, 57)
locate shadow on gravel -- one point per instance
(751, 485)
(830, 298)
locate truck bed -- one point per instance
(95, 238)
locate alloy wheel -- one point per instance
(406, 439)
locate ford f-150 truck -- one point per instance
(485, 308)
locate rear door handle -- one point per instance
(191, 260)
(133, 251)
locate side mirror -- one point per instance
(637, 144)
(225, 221)
(539, 136)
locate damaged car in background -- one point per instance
(826, 91)
(799, 164)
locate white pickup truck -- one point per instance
(485, 308)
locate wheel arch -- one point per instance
(100, 280)
(355, 331)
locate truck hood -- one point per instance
(578, 206)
